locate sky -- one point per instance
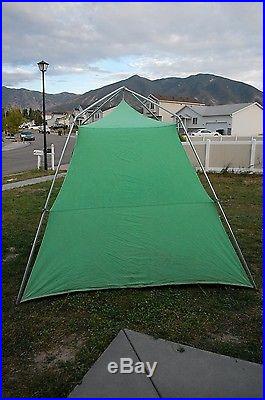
(89, 45)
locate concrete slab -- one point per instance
(182, 372)
(100, 383)
(185, 371)
(32, 181)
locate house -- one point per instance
(27, 125)
(173, 104)
(56, 118)
(244, 119)
(62, 120)
(84, 117)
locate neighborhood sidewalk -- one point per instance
(32, 181)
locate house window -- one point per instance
(194, 121)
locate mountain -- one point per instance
(24, 98)
(206, 88)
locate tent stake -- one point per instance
(236, 245)
(26, 273)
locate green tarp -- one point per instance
(131, 213)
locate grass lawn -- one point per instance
(49, 344)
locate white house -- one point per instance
(244, 119)
(56, 118)
(82, 119)
(172, 104)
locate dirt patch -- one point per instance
(65, 352)
(11, 255)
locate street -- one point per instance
(22, 158)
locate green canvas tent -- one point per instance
(131, 213)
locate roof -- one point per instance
(175, 98)
(225, 109)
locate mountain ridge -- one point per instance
(205, 88)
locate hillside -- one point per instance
(24, 98)
(206, 88)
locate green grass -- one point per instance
(49, 344)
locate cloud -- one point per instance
(180, 38)
(11, 76)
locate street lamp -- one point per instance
(43, 66)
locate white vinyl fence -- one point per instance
(227, 155)
(225, 138)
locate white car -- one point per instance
(205, 132)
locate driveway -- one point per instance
(18, 157)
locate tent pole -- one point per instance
(239, 251)
(140, 101)
(25, 276)
(99, 108)
(68, 137)
(26, 273)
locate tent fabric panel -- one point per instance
(125, 116)
(134, 247)
(131, 212)
(129, 167)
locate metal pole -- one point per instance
(26, 273)
(240, 254)
(67, 140)
(44, 124)
(25, 276)
(140, 101)
(189, 140)
(98, 101)
(99, 108)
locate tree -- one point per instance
(4, 122)
(12, 120)
(37, 116)
(25, 113)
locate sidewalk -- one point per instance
(32, 181)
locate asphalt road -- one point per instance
(22, 158)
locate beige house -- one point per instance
(172, 104)
(248, 121)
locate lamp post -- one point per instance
(43, 66)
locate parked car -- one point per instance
(27, 136)
(205, 132)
